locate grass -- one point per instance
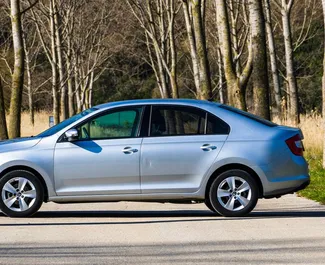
(316, 190)
(311, 125)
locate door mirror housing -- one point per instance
(71, 135)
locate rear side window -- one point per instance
(216, 125)
(249, 115)
(171, 120)
(179, 120)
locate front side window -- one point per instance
(117, 124)
(171, 120)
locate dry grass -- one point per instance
(41, 123)
(311, 125)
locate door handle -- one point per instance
(129, 150)
(208, 147)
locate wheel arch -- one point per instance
(31, 170)
(239, 166)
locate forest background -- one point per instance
(59, 57)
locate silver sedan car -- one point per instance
(177, 151)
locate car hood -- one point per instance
(19, 143)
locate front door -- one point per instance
(105, 159)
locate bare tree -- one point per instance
(285, 8)
(323, 84)
(54, 61)
(34, 80)
(194, 14)
(29, 81)
(18, 73)
(91, 47)
(236, 82)
(45, 26)
(272, 54)
(260, 72)
(60, 64)
(215, 55)
(157, 19)
(3, 123)
(221, 77)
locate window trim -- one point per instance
(149, 125)
(145, 121)
(62, 138)
(206, 123)
(196, 109)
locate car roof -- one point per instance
(186, 102)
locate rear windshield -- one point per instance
(249, 115)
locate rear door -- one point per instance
(183, 142)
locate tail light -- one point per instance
(295, 145)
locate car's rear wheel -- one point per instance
(209, 205)
(233, 193)
(21, 194)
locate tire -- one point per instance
(229, 200)
(208, 204)
(22, 202)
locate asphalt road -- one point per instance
(289, 230)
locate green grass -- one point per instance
(316, 190)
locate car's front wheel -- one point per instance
(21, 194)
(233, 193)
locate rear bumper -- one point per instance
(278, 193)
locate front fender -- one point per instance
(27, 164)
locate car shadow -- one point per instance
(136, 217)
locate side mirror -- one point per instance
(71, 135)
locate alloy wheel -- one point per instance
(234, 193)
(19, 194)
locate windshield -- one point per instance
(65, 123)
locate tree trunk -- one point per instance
(90, 90)
(18, 74)
(173, 53)
(323, 84)
(272, 53)
(56, 108)
(234, 36)
(290, 72)
(221, 78)
(3, 123)
(161, 74)
(191, 40)
(77, 84)
(70, 80)
(236, 86)
(29, 84)
(62, 86)
(260, 73)
(200, 40)
(30, 95)
(71, 98)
